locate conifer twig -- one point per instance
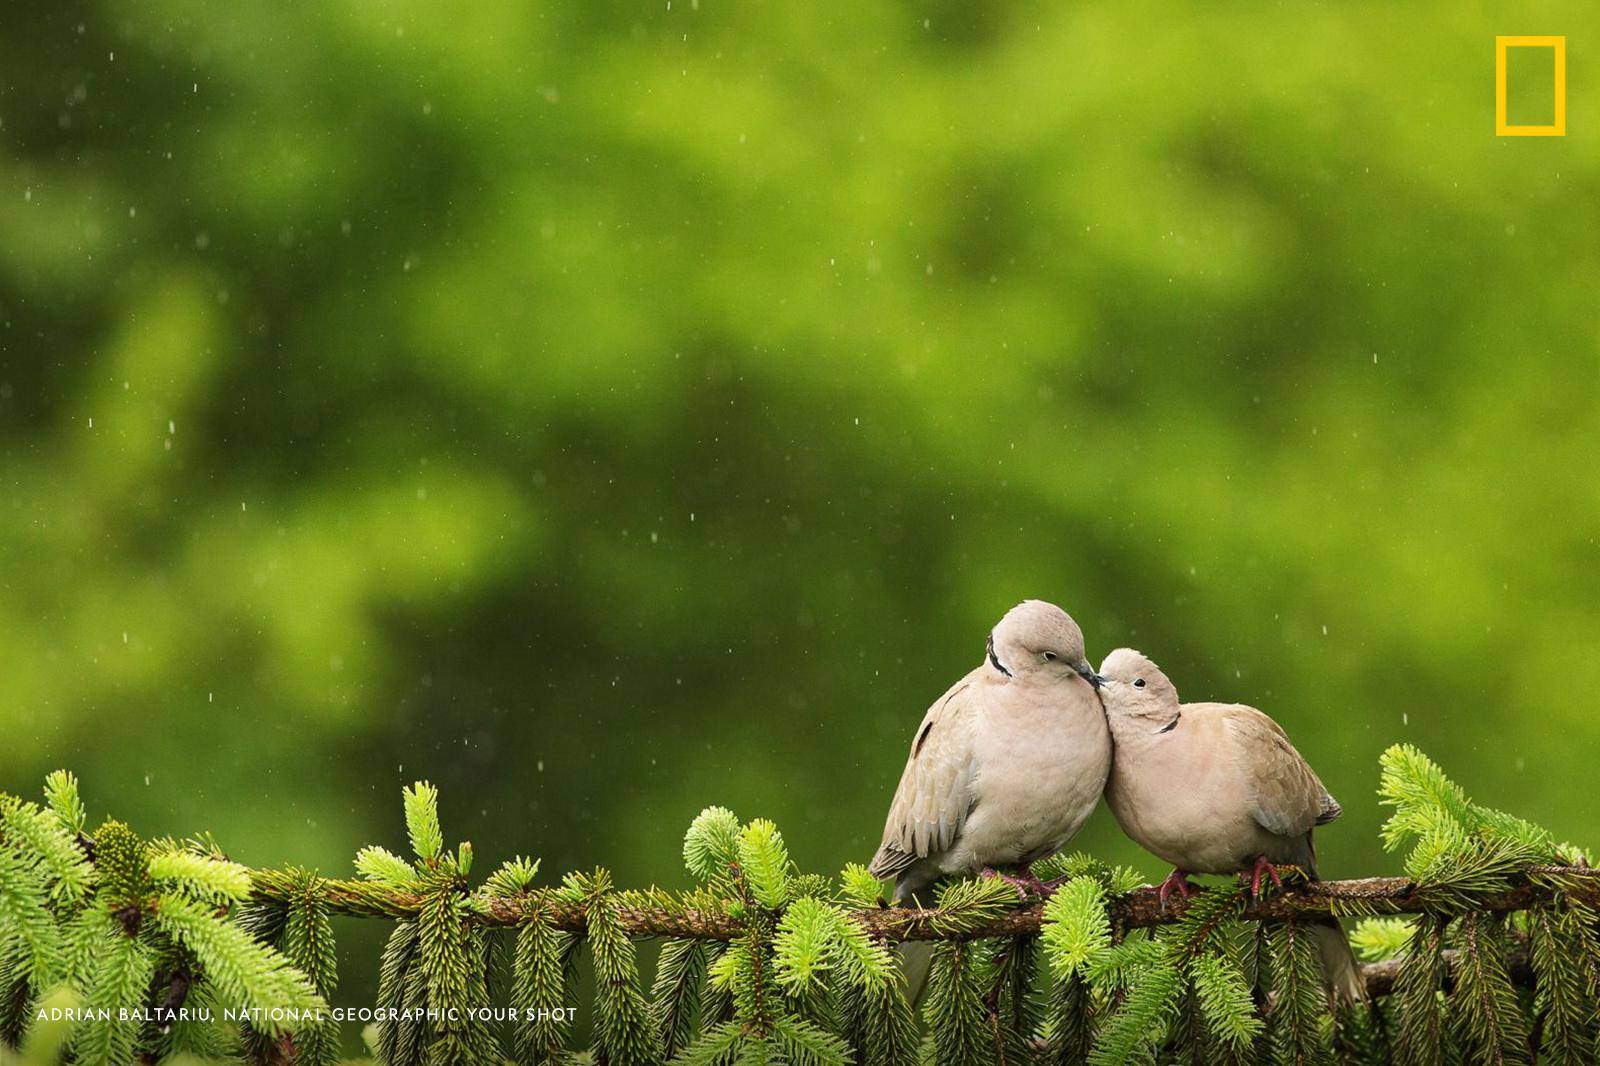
(1380, 977)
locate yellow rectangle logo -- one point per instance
(1502, 127)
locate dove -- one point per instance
(1006, 765)
(1215, 788)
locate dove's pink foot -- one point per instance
(1026, 882)
(1177, 881)
(1252, 876)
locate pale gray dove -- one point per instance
(1214, 788)
(1006, 765)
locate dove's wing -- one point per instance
(1287, 799)
(935, 793)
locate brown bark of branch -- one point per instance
(1139, 908)
(1380, 976)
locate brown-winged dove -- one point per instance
(1006, 765)
(1214, 788)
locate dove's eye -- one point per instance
(1049, 656)
(1138, 682)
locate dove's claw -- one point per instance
(1177, 881)
(1026, 882)
(1253, 876)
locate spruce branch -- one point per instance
(711, 845)
(1225, 1001)
(119, 983)
(1422, 796)
(770, 964)
(539, 983)
(764, 863)
(386, 868)
(452, 964)
(422, 821)
(675, 993)
(803, 1044)
(986, 908)
(1077, 926)
(28, 931)
(1149, 1006)
(1484, 1002)
(970, 908)
(307, 942)
(623, 1031)
(35, 837)
(244, 971)
(398, 1040)
(515, 877)
(1299, 1030)
(1562, 952)
(858, 887)
(202, 876)
(1015, 1013)
(881, 1024)
(804, 946)
(61, 796)
(717, 1046)
(954, 1008)
(1381, 939)
(1070, 1021)
(1418, 988)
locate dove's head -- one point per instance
(1036, 636)
(1131, 684)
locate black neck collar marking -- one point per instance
(995, 659)
(1170, 726)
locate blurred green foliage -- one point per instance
(609, 409)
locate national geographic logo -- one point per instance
(1503, 126)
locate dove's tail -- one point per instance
(1339, 962)
(916, 956)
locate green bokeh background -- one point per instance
(606, 409)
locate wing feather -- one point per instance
(935, 794)
(1286, 795)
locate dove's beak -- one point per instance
(1089, 675)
